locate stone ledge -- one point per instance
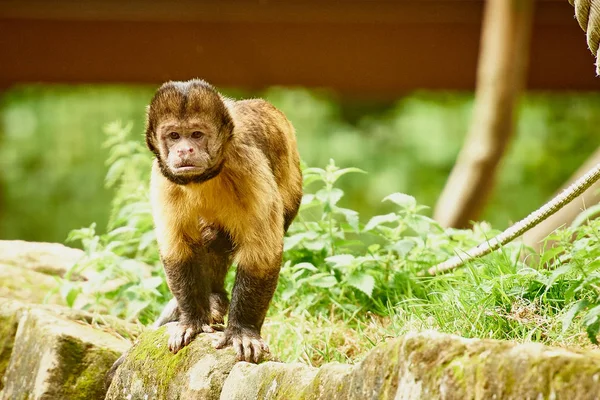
(55, 358)
(426, 365)
(12, 311)
(42, 257)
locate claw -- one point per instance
(180, 335)
(248, 345)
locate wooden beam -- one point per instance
(358, 48)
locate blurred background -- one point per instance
(386, 86)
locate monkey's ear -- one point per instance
(150, 136)
(150, 142)
(228, 125)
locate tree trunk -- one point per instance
(501, 73)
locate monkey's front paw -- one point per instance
(181, 334)
(247, 343)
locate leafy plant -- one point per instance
(344, 278)
(124, 275)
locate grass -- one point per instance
(347, 284)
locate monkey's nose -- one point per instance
(183, 151)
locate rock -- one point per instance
(46, 258)
(27, 285)
(56, 358)
(270, 380)
(273, 380)
(150, 371)
(11, 312)
(9, 319)
(432, 365)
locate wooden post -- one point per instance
(502, 67)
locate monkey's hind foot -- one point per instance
(181, 334)
(219, 303)
(248, 345)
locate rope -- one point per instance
(587, 13)
(558, 202)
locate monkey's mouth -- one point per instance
(187, 167)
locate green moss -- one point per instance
(157, 369)
(8, 329)
(9, 319)
(82, 369)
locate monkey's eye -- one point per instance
(197, 134)
(174, 135)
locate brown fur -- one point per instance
(236, 207)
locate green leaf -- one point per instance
(363, 282)
(329, 197)
(315, 245)
(152, 283)
(550, 254)
(69, 292)
(351, 217)
(419, 223)
(402, 247)
(306, 266)
(288, 292)
(135, 307)
(380, 219)
(557, 273)
(586, 215)
(323, 281)
(571, 313)
(289, 242)
(344, 171)
(341, 260)
(308, 198)
(401, 199)
(592, 323)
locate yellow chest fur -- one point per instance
(243, 207)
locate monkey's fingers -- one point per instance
(223, 342)
(248, 348)
(175, 342)
(181, 335)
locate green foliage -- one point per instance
(343, 277)
(52, 158)
(574, 280)
(126, 278)
(53, 162)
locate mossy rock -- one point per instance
(151, 371)
(431, 365)
(11, 312)
(28, 286)
(274, 380)
(46, 258)
(56, 358)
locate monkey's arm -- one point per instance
(189, 282)
(259, 261)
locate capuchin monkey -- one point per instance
(225, 186)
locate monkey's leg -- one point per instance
(169, 314)
(250, 299)
(218, 261)
(189, 281)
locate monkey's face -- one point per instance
(188, 148)
(189, 128)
